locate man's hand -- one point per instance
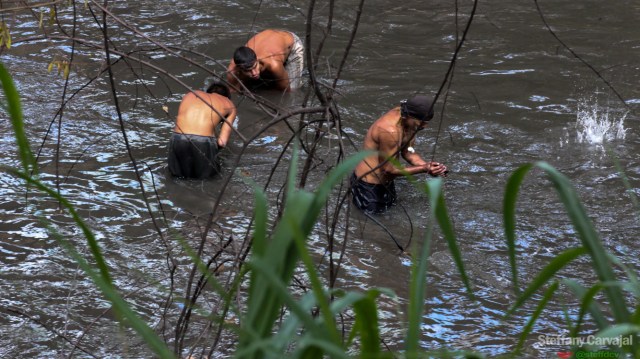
(436, 169)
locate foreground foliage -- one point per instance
(309, 329)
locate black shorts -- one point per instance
(372, 198)
(193, 156)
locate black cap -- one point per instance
(419, 107)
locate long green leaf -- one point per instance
(330, 349)
(625, 180)
(634, 285)
(337, 174)
(509, 217)
(587, 305)
(450, 237)
(590, 240)
(261, 215)
(15, 112)
(280, 258)
(316, 284)
(621, 331)
(536, 314)
(419, 274)
(345, 300)
(292, 322)
(287, 245)
(367, 323)
(546, 274)
(102, 279)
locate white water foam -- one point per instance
(595, 125)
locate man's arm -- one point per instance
(411, 156)
(232, 78)
(225, 131)
(389, 145)
(280, 75)
(432, 168)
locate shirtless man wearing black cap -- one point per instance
(272, 58)
(392, 135)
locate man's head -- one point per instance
(247, 62)
(419, 107)
(219, 88)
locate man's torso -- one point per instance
(384, 137)
(196, 117)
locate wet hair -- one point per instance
(219, 88)
(419, 107)
(244, 58)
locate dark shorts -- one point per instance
(372, 198)
(193, 156)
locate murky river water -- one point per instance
(518, 96)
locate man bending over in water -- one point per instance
(272, 58)
(193, 148)
(392, 135)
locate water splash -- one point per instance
(596, 125)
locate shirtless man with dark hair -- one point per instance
(195, 142)
(272, 58)
(392, 135)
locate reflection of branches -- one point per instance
(29, 6)
(67, 339)
(544, 21)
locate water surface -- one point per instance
(517, 96)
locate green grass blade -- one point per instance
(590, 240)
(312, 348)
(587, 305)
(345, 300)
(336, 175)
(509, 217)
(316, 285)
(281, 291)
(536, 314)
(367, 323)
(102, 278)
(625, 180)
(419, 274)
(292, 322)
(546, 274)
(261, 215)
(634, 285)
(280, 259)
(301, 228)
(15, 113)
(88, 234)
(621, 331)
(281, 255)
(449, 234)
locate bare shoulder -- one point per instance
(388, 122)
(190, 97)
(226, 102)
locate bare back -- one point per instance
(271, 46)
(196, 117)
